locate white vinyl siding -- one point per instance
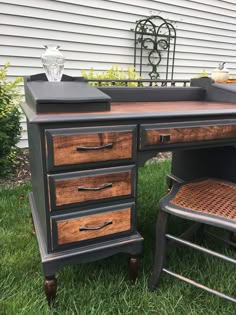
(97, 33)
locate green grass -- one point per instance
(102, 287)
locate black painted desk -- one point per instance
(84, 167)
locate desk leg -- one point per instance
(133, 268)
(50, 288)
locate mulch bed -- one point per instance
(160, 157)
(21, 172)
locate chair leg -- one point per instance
(160, 249)
(233, 237)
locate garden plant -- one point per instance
(10, 128)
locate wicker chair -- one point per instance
(209, 201)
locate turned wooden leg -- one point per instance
(133, 268)
(160, 250)
(50, 288)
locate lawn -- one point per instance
(102, 287)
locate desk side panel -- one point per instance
(216, 162)
(191, 164)
(38, 178)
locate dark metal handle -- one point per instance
(105, 146)
(82, 188)
(87, 228)
(164, 138)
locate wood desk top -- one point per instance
(138, 110)
(170, 107)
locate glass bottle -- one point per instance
(53, 63)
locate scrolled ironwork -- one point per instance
(162, 43)
(153, 41)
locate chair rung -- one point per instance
(199, 285)
(222, 239)
(188, 233)
(201, 248)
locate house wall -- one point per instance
(97, 33)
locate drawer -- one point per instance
(162, 134)
(72, 146)
(92, 185)
(92, 224)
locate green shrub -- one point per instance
(10, 128)
(114, 73)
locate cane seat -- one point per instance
(211, 201)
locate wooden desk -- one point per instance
(84, 172)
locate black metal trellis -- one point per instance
(155, 39)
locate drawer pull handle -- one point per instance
(87, 228)
(82, 188)
(105, 146)
(164, 138)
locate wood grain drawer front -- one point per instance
(92, 226)
(155, 137)
(89, 145)
(84, 186)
